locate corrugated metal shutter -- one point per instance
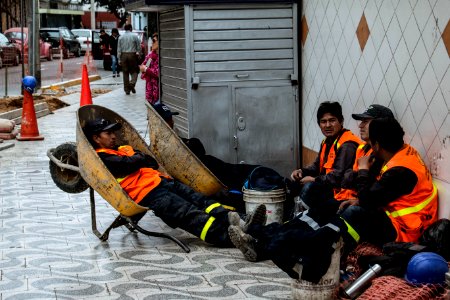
(173, 64)
(243, 42)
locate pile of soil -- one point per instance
(54, 103)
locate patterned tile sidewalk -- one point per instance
(48, 251)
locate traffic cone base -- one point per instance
(28, 127)
(86, 96)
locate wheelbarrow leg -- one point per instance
(129, 223)
(160, 234)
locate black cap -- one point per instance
(164, 111)
(375, 111)
(99, 125)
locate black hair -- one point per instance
(114, 30)
(128, 27)
(102, 31)
(332, 108)
(388, 133)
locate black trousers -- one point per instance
(179, 206)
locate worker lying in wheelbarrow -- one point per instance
(175, 203)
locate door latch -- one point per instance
(235, 141)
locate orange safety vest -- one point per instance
(345, 136)
(138, 184)
(346, 194)
(411, 214)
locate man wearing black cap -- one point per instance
(175, 203)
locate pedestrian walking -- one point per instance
(113, 50)
(128, 49)
(150, 73)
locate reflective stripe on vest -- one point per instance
(206, 228)
(352, 231)
(413, 209)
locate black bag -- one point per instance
(264, 179)
(437, 238)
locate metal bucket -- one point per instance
(326, 288)
(274, 201)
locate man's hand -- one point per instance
(365, 162)
(296, 175)
(307, 179)
(346, 203)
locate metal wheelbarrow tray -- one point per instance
(68, 162)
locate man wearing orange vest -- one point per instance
(175, 203)
(397, 204)
(336, 154)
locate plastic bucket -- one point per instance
(326, 288)
(273, 200)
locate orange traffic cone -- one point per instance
(86, 96)
(28, 128)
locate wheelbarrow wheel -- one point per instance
(67, 180)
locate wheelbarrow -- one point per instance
(75, 167)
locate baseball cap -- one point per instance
(164, 111)
(375, 111)
(99, 125)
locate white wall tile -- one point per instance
(440, 61)
(368, 93)
(441, 13)
(420, 58)
(418, 105)
(444, 131)
(431, 35)
(369, 53)
(427, 131)
(392, 77)
(376, 74)
(411, 35)
(409, 80)
(386, 13)
(377, 33)
(354, 91)
(400, 100)
(403, 13)
(422, 12)
(401, 57)
(394, 33)
(445, 87)
(429, 84)
(371, 12)
(361, 73)
(408, 124)
(418, 145)
(382, 95)
(438, 109)
(384, 55)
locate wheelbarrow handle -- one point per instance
(59, 163)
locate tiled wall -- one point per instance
(392, 52)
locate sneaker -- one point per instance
(133, 90)
(244, 242)
(118, 75)
(258, 216)
(114, 75)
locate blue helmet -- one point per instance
(29, 83)
(426, 267)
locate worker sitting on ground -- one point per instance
(175, 203)
(348, 184)
(396, 205)
(336, 155)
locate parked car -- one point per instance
(144, 49)
(9, 55)
(15, 35)
(70, 44)
(87, 35)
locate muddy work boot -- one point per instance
(257, 217)
(244, 242)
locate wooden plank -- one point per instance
(239, 35)
(234, 14)
(242, 24)
(173, 72)
(174, 63)
(285, 64)
(243, 55)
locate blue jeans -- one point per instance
(114, 64)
